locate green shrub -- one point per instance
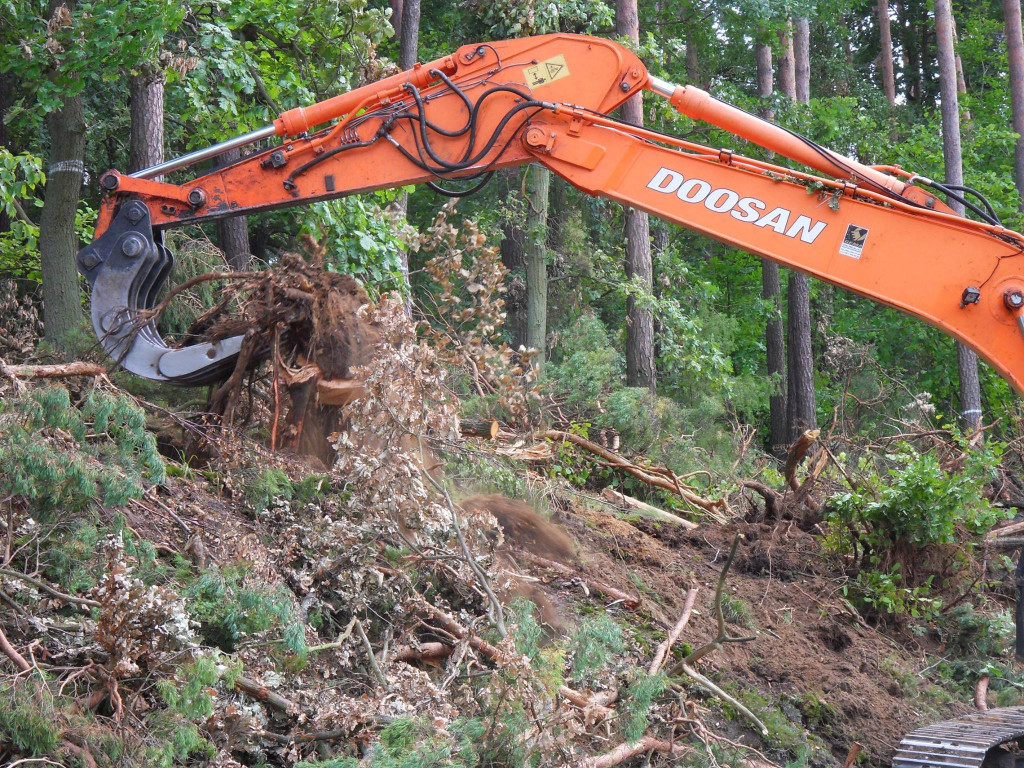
(261, 488)
(27, 718)
(640, 694)
(593, 645)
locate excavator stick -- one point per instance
(454, 118)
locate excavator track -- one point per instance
(963, 742)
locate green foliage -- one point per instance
(262, 487)
(736, 610)
(229, 609)
(595, 643)
(636, 704)
(409, 743)
(27, 718)
(884, 594)
(63, 456)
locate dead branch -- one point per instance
(710, 686)
(772, 498)
(723, 636)
(7, 373)
(62, 371)
(851, 758)
(422, 652)
(192, 282)
(479, 428)
(628, 600)
(625, 751)
(12, 653)
(663, 650)
(1006, 530)
(646, 510)
(262, 693)
(82, 601)
(655, 476)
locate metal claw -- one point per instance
(126, 267)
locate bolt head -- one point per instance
(109, 182)
(132, 246)
(135, 212)
(624, 86)
(89, 259)
(196, 197)
(1013, 298)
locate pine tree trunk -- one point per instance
(396, 18)
(771, 288)
(801, 404)
(787, 61)
(1015, 51)
(537, 189)
(639, 321)
(62, 305)
(146, 144)
(513, 256)
(967, 361)
(5, 85)
(692, 61)
(885, 54)
(407, 28)
(233, 233)
(802, 54)
(558, 212)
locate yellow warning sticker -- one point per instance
(546, 71)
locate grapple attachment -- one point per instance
(126, 267)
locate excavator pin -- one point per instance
(126, 268)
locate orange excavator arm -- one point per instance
(878, 231)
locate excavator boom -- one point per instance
(878, 231)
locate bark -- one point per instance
(771, 291)
(692, 60)
(396, 18)
(58, 242)
(5, 98)
(639, 321)
(233, 233)
(558, 212)
(513, 256)
(146, 144)
(787, 61)
(885, 54)
(408, 30)
(801, 406)
(802, 54)
(409, 45)
(1015, 51)
(967, 361)
(538, 186)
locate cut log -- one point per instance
(62, 371)
(479, 428)
(644, 509)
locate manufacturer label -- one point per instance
(546, 71)
(726, 201)
(853, 241)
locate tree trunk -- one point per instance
(967, 361)
(801, 404)
(787, 61)
(62, 305)
(692, 60)
(513, 256)
(233, 233)
(558, 212)
(146, 147)
(396, 19)
(5, 85)
(802, 54)
(409, 46)
(538, 186)
(885, 54)
(771, 289)
(639, 321)
(1015, 50)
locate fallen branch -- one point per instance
(628, 600)
(12, 653)
(723, 635)
(710, 686)
(652, 476)
(479, 428)
(625, 751)
(663, 650)
(262, 693)
(589, 704)
(61, 371)
(82, 601)
(644, 509)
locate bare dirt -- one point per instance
(813, 659)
